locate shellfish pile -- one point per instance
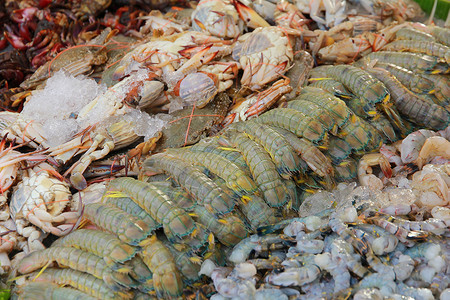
(228, 149)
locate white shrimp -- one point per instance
(412, 144)
(433, 146)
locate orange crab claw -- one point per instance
(199, 24)
(228, 120)
(250, 17)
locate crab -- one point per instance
(155, 21)
(257, 103)
(75, 60)
(14, 126)
(201, 87)
(94, 143)
(168, 54)
(217, 17)
(335, 11)
(265, 54)
(41, 199)
(287, 15)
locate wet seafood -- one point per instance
(242, 213)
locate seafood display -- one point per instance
(224, 149)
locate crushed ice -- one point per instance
(58, 104)
(54, 106)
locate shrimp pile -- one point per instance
(211, 149)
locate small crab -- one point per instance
(217, 17)
(168, 54)
(13, 126)
(265, 55)
(40, 199)
(95, 143)
(257, 103)
(202, 86)
(75, 60)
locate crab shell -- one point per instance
(199, 87)
(265, 55)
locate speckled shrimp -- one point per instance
(335, 106)
(314, 158)
(344, 251)
(433, 225)
(231, 154)
(414, 82)
(413, 34)
(410, 105)
(411, 61)
(442, 35)
(229, 229)
(127, 204)
(429, 48)
(384, 283)
(82, 281)
(236, 178)
(186, 262)
(176, 222)
(296, 122)
(332, 86)
(356, 133)
(166, 277)
(441, 87)
(78, 260)
(360, 83)
(358, 240)
(126, 227)
(315, 111)
(402, 234)
(255, 210)
(48, 291)
(263, 171)
(280, 150)
(99, 243)
(191, 179)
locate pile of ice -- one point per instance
(56, 108)
(144, 124)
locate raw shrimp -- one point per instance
(48, 291)
(280, 150)
(196, 183)
(235, 177)
(78, 260)
(296, 122)
(243, 249)
(82, 281)
(426, 47)
(263, 171)
(126, 227)
(166, 277)
(99, 243)
(176, 222)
